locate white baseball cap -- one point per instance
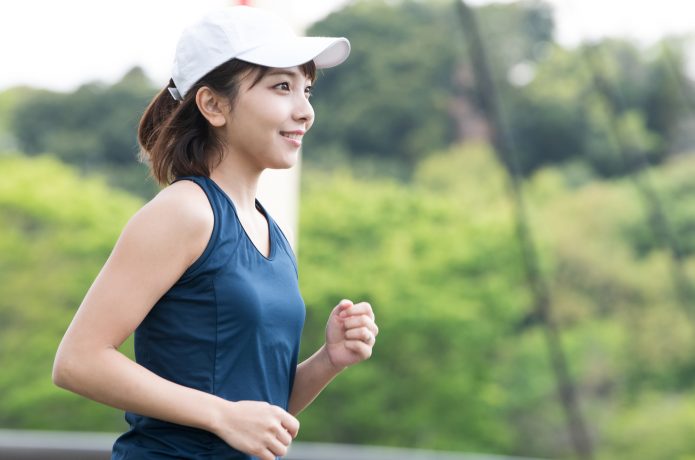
(252, 35)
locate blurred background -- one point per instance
(510, 184)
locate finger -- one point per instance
(362, 308)
(353, 322)
(284, 436)
(267, 454)
(373, 328)
(359, 347)
(277, 448)
(360, 332)
(344, 304)
(363, 333)
(290, 424)
(340, 308)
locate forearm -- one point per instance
(109, 377)
(311, 377)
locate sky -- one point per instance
(61, 44)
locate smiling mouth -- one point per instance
(294, 136)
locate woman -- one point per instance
(202, 274)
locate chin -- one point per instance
(285, 163)
(282, 165)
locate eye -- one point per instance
(308, 91)
(285, 86)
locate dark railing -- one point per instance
(49, 445)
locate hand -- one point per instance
(257, 428)
(350, 333)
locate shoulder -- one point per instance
(184, 198)
(182, 203)
(179, 218)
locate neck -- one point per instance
(239, 181)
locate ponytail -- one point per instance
(173, 136)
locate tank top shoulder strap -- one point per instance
(217, 204)
(278, 238)
(216, 201)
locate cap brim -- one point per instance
(324, 51)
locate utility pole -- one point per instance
(503, 143)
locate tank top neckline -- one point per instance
(259, 206)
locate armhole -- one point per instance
(197, 265)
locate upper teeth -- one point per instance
(293, 135)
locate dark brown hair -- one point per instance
(176, 140)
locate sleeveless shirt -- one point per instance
(230, 326)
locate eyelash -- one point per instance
(285, 86)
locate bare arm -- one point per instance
(350, 335)
(154, 250)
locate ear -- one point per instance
(212, 106)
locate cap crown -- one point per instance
(221, 36)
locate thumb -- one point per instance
(343, 305)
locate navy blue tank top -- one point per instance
(230, 326)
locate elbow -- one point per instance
(59, 375)
(64, 371)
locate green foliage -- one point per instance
(58, 230)
(658, 423)
(456, 366)
(395, 98)
(408, 89)
(93, 128)
(9, 101)
(443, 276)
(615, 302)
(597, 104)
(388, 100)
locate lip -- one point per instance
(296, 141)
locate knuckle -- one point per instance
(355, 322)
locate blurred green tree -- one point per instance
(57, 231)
(93, 128)
(406, 89)
(442, 272)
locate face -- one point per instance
(268, 120)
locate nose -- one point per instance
(304, 111)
